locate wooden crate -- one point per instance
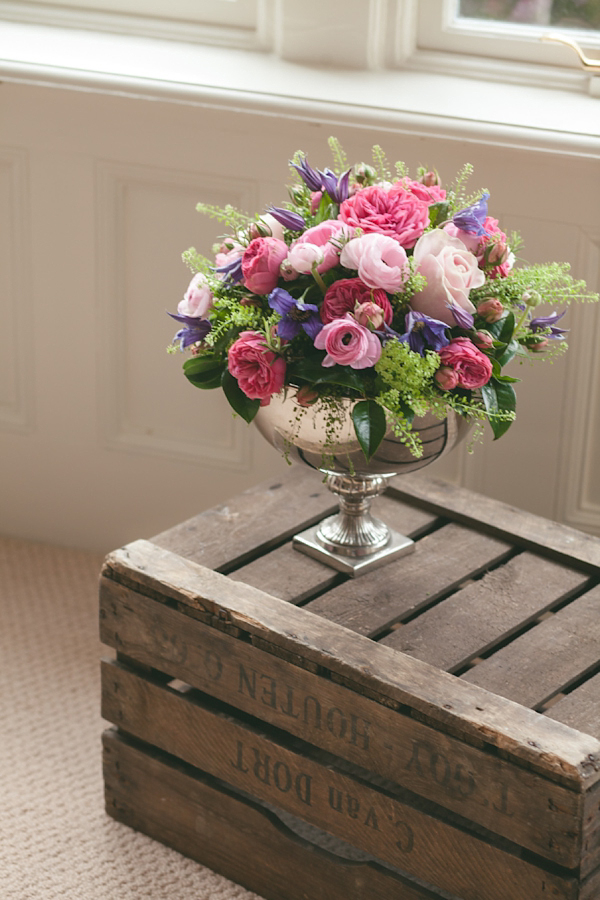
(428, 730)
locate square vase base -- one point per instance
(397, 546)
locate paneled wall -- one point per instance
(101, 438)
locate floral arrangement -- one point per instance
(387, 290)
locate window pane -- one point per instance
(561, 13)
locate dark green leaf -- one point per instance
(511, 350)
(370, 426)
(499, 396)
(438, 212)
(204, 371)
(239, 402)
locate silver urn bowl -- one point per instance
(352, 540)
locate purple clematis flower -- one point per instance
(462, 318)
(311, 177)
(472, 218)
(232, 271)
(325, 180)
(424, 333)
(291, 220)
(543, 322)
(194, 330)
(295, 314)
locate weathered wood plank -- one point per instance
(551, 748)
(232, 835)
(229, 534)
(581, 708)
(367, 818)
(507, 799)
(375, 601)
(473, 619)
(545, 659)
(507, 522)
(290, 575)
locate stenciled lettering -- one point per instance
(245, 684)
(239, 762)
(316, 711)
(282, 777)
(359, 731)
(503, 808)
(288, 709)
(273, 773)
(334, 714)
(213, 665)
(427, 763)
(269, 691)
(261, 766)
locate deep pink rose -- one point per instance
(379, 260)
(396, 212)
(348, 344)
(343, 295)
(319, 236)
(451, 272)
(472, 368)
(198, 298)
(260, 264)
(259, 372)
(429, 192)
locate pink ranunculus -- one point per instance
(379, 260)
(396, 212)
(348, 344)
(301, 258)
(343, 295)
(198, 298)
(451, 272)
(472, 368)
(321, 236)
(259, 372)
(491, 310)
(260, 264)
(446, 378)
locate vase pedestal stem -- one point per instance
(353, 541)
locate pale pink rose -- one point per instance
(321, 236)
(471, 241)
(491, 310)
(301, 258)
(259, 372)
(472, 368)
(198, 298)
(369, 314)
(343, 295)
(380, 261)
(260, 264)
(348, 344)
(395, 212)
(446, 378)
(451, 272)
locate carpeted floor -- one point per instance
(55, 838)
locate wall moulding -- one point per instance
(145, 216)
(16, 358)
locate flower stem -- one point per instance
(318, 279)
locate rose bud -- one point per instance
(306, 396)
(369, 314)
(287, 271)
(365, 174)
(430, 179)
(483, 340)
(497, 253)
(446, 378)
(539, 347)
(490, 310)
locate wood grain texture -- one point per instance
(581, 708)
(273, 770)
(233, 835)
(473, 619)
(291, 575)
(440, 562)
(547, 658)
(506, 522)
(550, 748)
(229, 534)
(507, 799)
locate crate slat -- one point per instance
(581, 708)
(469, 622)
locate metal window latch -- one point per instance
(590, 65)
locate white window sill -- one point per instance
(556, 120)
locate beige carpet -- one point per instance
(55, 839)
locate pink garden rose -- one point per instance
(319, 237)
(379, 260)
(260, 264)
(348, 344)
(396, 212)
(451, 272)
(198, 298)
(342, 297)
(259, 372)
(472, 368)
(492, 253)
(429, 192)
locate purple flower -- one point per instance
(295, 314)
(462, 318)
(325, 180)
(311, 177)
(232, 271)
(472, 218)
(424, 333)
(194, 330)
(543, 322)
(292, 220)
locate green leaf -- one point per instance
(239, 402)
(438, 212)
(370, 426)
(311, 369)
(511, 350)
(204, 372)
(499, 396)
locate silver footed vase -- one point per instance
(352, 540)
